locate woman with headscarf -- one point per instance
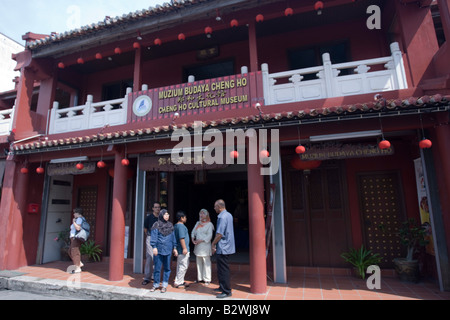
(201, 236)
(163, 243)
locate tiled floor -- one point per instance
(303, 283)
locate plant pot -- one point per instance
(407, 270)
(65, 254)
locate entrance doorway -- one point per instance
(58, 217)
(192, 194)
(316, 223)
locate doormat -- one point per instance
(10, 274)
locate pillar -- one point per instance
(116, 261)
(137, 75)
(23, 126)
(253, 47)
(257, 229)
(12, 212)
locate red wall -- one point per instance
(401, 161)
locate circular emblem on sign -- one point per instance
(142, 106)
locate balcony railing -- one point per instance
(6, 121)
(327, 81)
(89, 116)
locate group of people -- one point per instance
(164, 238)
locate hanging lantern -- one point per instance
(61, 65)
(24, 170)
(117, 50)
(300, 150)
(288, 12)
(234, 154)
(384, 144)
(157, 42)
(40, 170)
(181, 37)
(234, 23)
(299, 164)
(318, 6)
(101, 164)
(125, 162)
(80, 166)
(98, 56)
(208, 30)
(136, 45)
(425, 144)
(264, 154)
(259, 18)
(80, 61)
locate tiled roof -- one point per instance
(114, 21)
(412, 103)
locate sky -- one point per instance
(18, 17)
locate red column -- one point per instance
(116, 261)
(257, 228)
(22, 124)
(12, 212)
(253, 47)
(137, 75)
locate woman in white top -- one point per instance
(201, 236)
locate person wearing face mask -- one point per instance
(148, 224)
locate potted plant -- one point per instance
(361, 259)
(90, 251)
(64, 240)
(412, 236)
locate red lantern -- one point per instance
(259, 18)
(117, 50)
(61, 65)
(425, 144)
(300, 150)
(101, 164)
(40, 170)
(299, 164)
(234, 154)
(318, 6)
(125, 162)
(288, 12)
(157, 42)
(181, 37)
(80, 166)
(264, 154)
(208, 30)
(24, 170)
(98, 56)
(136, 45)
(234, 23)
(80, 60)
(384, 144)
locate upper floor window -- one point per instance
(209, 71)
(116, 90)
(306, 57)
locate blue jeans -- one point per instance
(160, 261)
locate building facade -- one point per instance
(312, 120)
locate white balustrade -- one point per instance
(331, 80)
(89, 116)
(6, 121)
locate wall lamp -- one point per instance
(68, 160)
(183, 150)
(346, 135)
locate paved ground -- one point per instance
(8, 295)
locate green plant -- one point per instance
(91, 249)
(361, 259)
(412, 236)
(63, 236)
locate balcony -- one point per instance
(329, 80)
(329, 83)
(6, 121)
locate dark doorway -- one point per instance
(316, 222)
(191, 196)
